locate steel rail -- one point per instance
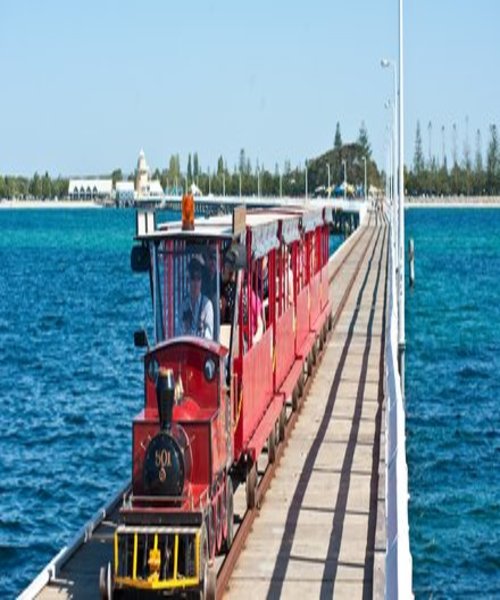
(227, 567)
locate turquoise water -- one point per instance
(71, 380)
(70, 377)
(453, 392)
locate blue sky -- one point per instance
(86, 85)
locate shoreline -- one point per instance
(495, 204)
(473, 202)
(49, 204)
(453, 202)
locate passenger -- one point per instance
(197, 310)
(210, 276)
(228, 290)
(256, 312)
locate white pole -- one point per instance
(395, 163)
(385, 64)
(401, 296)
(345, 179)
(366, 193)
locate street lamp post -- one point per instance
(401, 297)
(344, 164)
(385, 63)
(366, 193)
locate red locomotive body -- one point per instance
(238, 316)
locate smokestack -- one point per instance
(165, 389)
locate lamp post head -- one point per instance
(385, 62)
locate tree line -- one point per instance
(254, 179)
(39, 187)
(466, 175)
(257, 179)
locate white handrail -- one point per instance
(50, 571)
(398, 560)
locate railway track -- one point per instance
(267, 472)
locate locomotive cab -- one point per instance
(182, 442)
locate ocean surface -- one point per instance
(70, 378)
(453, 402)
(71, 381)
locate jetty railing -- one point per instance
(398, 560)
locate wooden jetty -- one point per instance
(320, 531)
(316, 535)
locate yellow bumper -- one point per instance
(157, 558)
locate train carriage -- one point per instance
(240, 307)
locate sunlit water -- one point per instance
(453, 402)
(71, 381)
(70, 378)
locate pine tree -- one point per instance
(478, 166)
(479, 153)
(189, 169)
(242, 161)
(492, 162)
(220, 165)
(337, 144)
(363, 141)
(196, 165)
(418, 159)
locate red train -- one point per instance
(240, 307)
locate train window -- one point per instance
(186, 289)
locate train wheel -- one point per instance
(309, 365)
(271, 445)
(282, 424)
(322, 339)
(314, 352)
(300, 384)
(251, 487)
(219, 523)
(229, 514)
(211, 532)
(295, 398)
(106, 582)
(204, 565)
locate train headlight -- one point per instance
(153, 370)
(209, 369)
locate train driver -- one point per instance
(197, 310)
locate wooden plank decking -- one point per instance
(315, 535)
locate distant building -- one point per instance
(90, 189)
(144, 186)
(125, 192)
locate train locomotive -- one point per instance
(240, 308)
